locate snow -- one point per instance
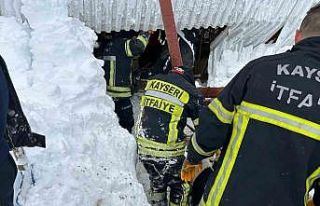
(89, 159)
(108, 15)
(245, 41)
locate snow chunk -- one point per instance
(90, 159)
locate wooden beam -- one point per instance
(210, 92)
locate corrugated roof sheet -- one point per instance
(115, 15)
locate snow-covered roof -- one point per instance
(115, 15)
(250, 24)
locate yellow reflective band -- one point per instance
(119, 89)
(281, 119)
(165, 96)
(159, 153)
(199, 149)
(158, 196)
(143, 40)
(221, 113)
(127, 48)
(119, 94)
(202, 202)
(186, 192)
(309, 182)
(220, 183)
(156, 145)
(173, 204)
(196, 122)
(161, 104)
(169, 107)
(167, 88)
(112, 73)
(222, 108)
(173, 125)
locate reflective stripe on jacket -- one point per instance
(118, 59)
(168, 101)
(267, 121)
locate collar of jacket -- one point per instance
(309, 44)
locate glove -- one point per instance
(37, 140)
(310, 203)
(190, 171)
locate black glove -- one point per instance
(37, 140)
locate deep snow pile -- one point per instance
(225, 63)
(245, 40)
(90, 159)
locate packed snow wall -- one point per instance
(89, 159)
(246, 41)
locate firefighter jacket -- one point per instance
(4, 103)
(267, 120)
(118, 54)
(15, 130)
(163, 63)
(168, 100)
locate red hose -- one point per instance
(171, 32)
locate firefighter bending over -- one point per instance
(168, 100)
(267, 120)
(118, 50)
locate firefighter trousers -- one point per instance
(316, 197)
(123, 109)
(165, 181)
(8, 173)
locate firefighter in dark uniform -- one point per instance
(163, 64)
(186, 49)
(15, 131)
(168, 100)
(118, 50)
(316, 196)
(267, 120)
(8, 168)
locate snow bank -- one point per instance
(90, 160)
(245, 40)
(226, 63)
(14, 48)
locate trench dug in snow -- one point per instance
(89, 159)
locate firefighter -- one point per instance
(118, 50)
(168, 100)
(267, 122)
(163, 63)
(316, 196)
(15, 131)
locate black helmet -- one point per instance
(186, 72)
